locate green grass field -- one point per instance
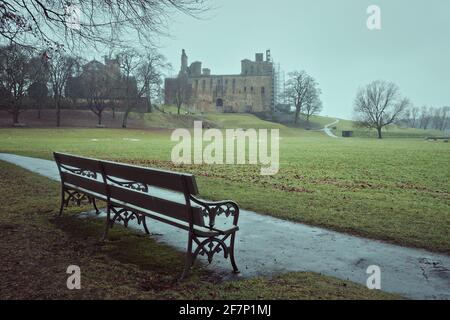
(395, 189)
(127, 266)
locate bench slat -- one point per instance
(158, 178)
(93, 194)
(78, 162)
(84, 182)
(172, 209)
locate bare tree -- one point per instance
(61, 68)
(38, 91)
(150, 77)
(141, 74)
(54, 22)
(441, 118)
(425, 117)
(16, 75)
(445, 117)
(183, 92)
(379, 104)
(129, 62)
(299, 88)
(312, 104)
(98, 89)
(411, 117)
(74, 86)
(414, 116)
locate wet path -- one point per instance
(267, 246)
(328, 131)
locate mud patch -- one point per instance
(433, 268)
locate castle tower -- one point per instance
(112, 66)
(184, 63)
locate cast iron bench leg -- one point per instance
(233, 262)
(107, 225)
(63, 200)
(94, 203)
(189, 262)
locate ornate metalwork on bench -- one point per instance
(81, 172)
(212, 209)
(138, 186)
(125, 216)
(209, 246)
(78, 198)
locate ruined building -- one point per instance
(250, 91)
(103, 80)
(104, 84)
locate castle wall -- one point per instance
(235, 93)
(250, 91)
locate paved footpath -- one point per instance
(267, 246)
(328, 131)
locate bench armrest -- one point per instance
(211, 209)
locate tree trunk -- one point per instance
(125, 118)
(58, 113)
(149, 106)
(297, 113)
(379, 133)
(15, 115)
(100, 117)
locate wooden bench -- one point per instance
(133, 192)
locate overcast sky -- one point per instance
(330, 40)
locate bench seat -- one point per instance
(200, 231)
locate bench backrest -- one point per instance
(140, 180)
(133, 185)
(152, 177)
(85, 173)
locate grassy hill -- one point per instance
(214, 120)
(167, 117)
(171, 119)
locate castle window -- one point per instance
(251, 89)
(245, 89)
(203, 86)
(263, 90)
(234, 85)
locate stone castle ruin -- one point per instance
(250, 91)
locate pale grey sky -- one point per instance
(329, 39)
